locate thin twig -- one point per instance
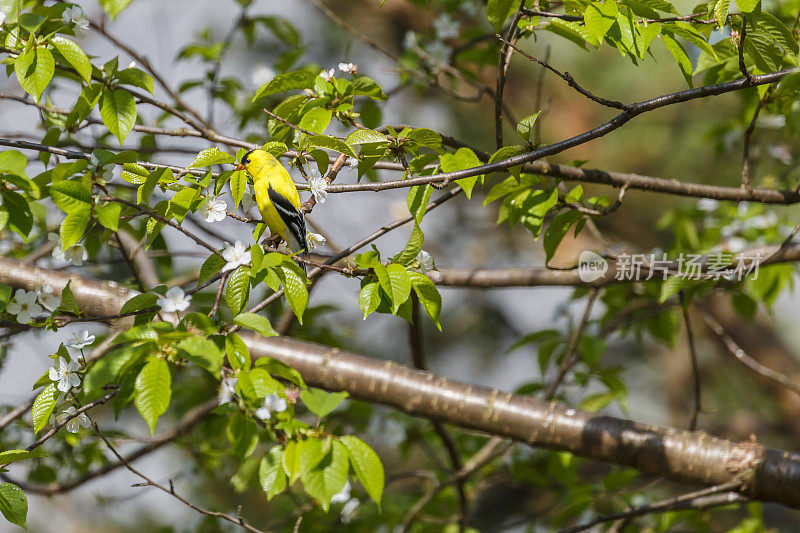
(748, 133)
(697, 405)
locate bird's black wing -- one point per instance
(291, 217)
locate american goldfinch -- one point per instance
(277, 198)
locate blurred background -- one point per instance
(700, 141)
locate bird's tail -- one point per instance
(297, 243)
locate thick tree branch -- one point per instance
(692, 457)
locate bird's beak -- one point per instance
(239, 167)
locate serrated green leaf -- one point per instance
(281, 370)
(11, 456)
(747, 6)
(139, 302)
(498, 11)
(203, 353)
(74, 226)
(69, 195)
(118, 111)
(721, 9)
(238, 354)
(43, 407)
(255, 322)
(365, 136)
(108, 215)
(13, 504)
(526, 125)
(34, 69)
(316, 120)
(558, 229)
(294, 287)
(320, 402)
(417, 201)
(677, 51)
(369, 298)
(210, 267)
(238, 186)
(462, 159)
(599, 17)
(323, 483)
(271, 475)
(238, 290)
(412, 249)
(331, 143)
(299, 79)
(211, 156)
(367, 466)
(153, 391)
(74, 55)
(428, 296)
(137, 78)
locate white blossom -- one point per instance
(272, 404)
(235, 256)
(327, 75)
(64, 374)
(736, 244)
(261, 74)
(439, 51)
(314, 240)
(446, 27)
(74, 15)
(2, 18)
(227, 388)
(174, 300)
(46, 298)
(707, 204)
(79, 342)
(349, 68)
(425, 261)
(75, 254)
(24, 306)
(75, 423)
(349, 510)
(782, 153)
(409, 40)
(132, 64)
(213, 209)
(352, 162)
(343, 495)
(248, 200)
(318, 185)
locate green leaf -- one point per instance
(367, 466)
(595, 402)
(153, 391)
(778, 30)
(255, 322)
(747, 6)
(139, 302)
(526, 126)
(68, 302)
(238, 354)
(412, 249)
(599, 17)
(396, 283)
(13, 504)
(558, 229)
(211, 156)
(238, 290)
(137, 78)
(364, 86)
(316, 120)
(203, 353)
(34, 69)
(11, 456)
(323, 483)
(573, 31)
(321, 403)
(238, 186)
(210, 267)
(43, 407)
(181, 203)
(428, 296)
(13, 162)
(108, 215)
(271, 475)
(365, 136)
(74, 226)
(331, 143)
(721, 9)
(118, 111)
(417, 201)
(114, 7)
(281, 370)
(462, 159)
(294, 287)
(74, 55)
(243, 435)
(369, 298)
(498, 11)
(291, 460)
(69, 195)
(299, 79)
(677, 51)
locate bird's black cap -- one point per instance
(246, 157)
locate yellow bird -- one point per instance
(277, 198)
